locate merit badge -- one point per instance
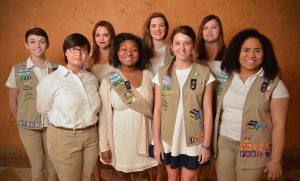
(195, 116)
(193, 84)
(23, 72)
(219, 90)
(253, 125)
(166, 80)
(114, 77)
(164, 105)
(127, 84)
(166, 87)
(242, 154)
(264, 86)
(222, 78)
(246, 140)
(128, 95)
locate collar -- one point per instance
(260, 73)
(30, 64)
(66, 71)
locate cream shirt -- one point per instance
(233, 103)
(40, 73)
(70, 100)
(158, 60)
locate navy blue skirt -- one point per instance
(189, 162)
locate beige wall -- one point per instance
(278, 19)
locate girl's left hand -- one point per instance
(274, 170)
(204, 155)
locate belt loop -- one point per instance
(74, 131)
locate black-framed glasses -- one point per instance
(76, 50)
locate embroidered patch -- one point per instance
(166, 87)
(114, 77)
(248, 149)
(128, 95)
(26, 85)
(166, 92)
(23, 72)
(28, 124)
(222, 78)
(194, 115)
(253, 125)
(219, 90)
(198, 138)
(164, 105)
(166, 80)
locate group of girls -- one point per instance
(147, 105)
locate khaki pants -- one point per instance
(226, 163)
(74, 153)
(34, 142)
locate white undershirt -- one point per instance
(233, 104)
(158, 59)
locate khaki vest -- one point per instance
(256, 131)
(193, 91)
(27, 115)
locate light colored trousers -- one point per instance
(34, 142)
(226, 163)
(73, 153)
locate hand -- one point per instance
(106, 156)
(158, 152)
(274, 170)
(204, 155)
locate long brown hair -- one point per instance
(147, 38)
(200, 44)
(96, 52)
(186, 30)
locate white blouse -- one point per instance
(70, 100)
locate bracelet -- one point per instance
(278, 161)
(205, 147)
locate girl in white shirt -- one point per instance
(182, 160)
(250, 58)
(70, 98)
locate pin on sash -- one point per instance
(127, 84)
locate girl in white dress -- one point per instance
(103, 41)
(179, 156)
(155, 32)
(125, 117)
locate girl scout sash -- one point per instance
(128, 94)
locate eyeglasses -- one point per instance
(76, 50)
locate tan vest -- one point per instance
(192, 96)
(27, 115)
(256, 131)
